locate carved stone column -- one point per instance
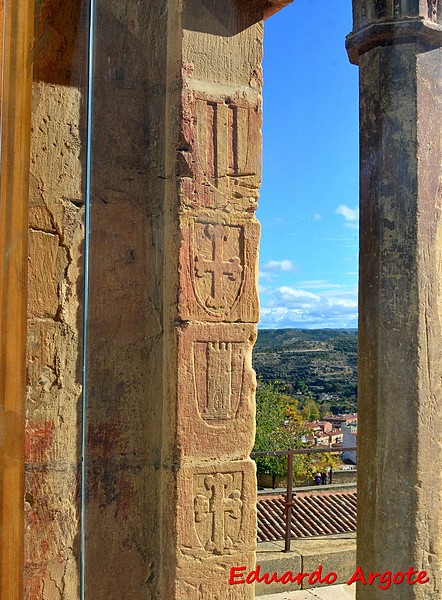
(398, 48)
(218, 174)
(171, 491)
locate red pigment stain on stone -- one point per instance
(125, 498)
(33, 585)
(39, 441)
(103, 437)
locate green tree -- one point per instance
(278, 427)
(311, 411)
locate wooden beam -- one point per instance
(16, 37)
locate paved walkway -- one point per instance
(331, 592)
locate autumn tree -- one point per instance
(279, 426)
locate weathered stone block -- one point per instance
(211, 582)
(56, 122)
(120, 520)
(216, 386)
(218, 260)
(46, 273)
(231, 38)
(221, 158)
(216, 511)
(51, 534)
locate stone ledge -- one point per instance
(335, 553)
(334, 592)
(428, 33)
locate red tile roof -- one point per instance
(312, 514)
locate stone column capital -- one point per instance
(382, 29)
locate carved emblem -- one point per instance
(222, 138)
(217, 265)
(433, 10)
(219, 375)
(220, 160)
(218, 511)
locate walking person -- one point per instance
(330, 476)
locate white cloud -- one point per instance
(317, 217)
(263, 289)
(291, 307)
(349, 214)
(320, 284)
(278, 265)
(290, 295)
(265, 275)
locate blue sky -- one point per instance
(309, 195)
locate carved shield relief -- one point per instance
(222, 139)
(218, 369)
(217, 265)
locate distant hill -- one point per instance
(322, 362)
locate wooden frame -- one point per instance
(16, 37)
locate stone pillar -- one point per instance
(397, 47)
(15, 101)
(215, 235)
(56, 207)
(173, 303)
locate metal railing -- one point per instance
(289, 490)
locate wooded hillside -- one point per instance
(321, 363)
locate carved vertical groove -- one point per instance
(211, 139)
(233, 140)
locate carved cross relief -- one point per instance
(216, 264)
(219, 510)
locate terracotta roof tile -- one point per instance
(313, 514)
